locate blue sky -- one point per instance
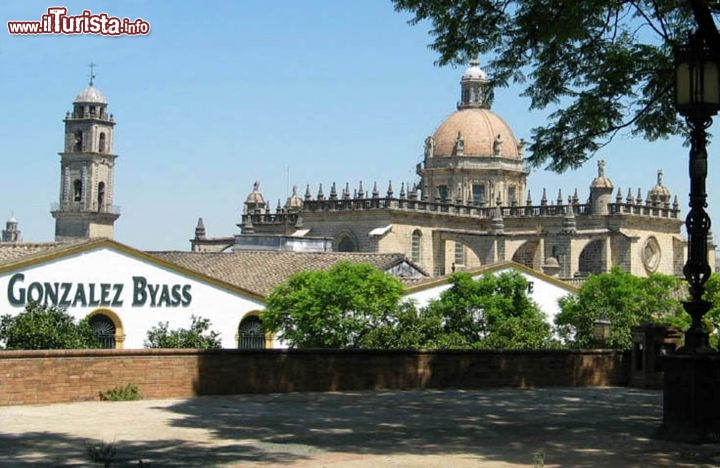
(286, 92)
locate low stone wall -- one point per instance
(30, 377)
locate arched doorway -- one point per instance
(251, 334)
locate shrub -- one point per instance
(127, 393)
(46, 327)
(198, 336)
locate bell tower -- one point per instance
(87, 170)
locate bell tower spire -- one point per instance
(87, 169)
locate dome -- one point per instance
(482, 132)
(90, 95)
(474, 72)
(552, 262)
(601, 181)
(659, 192)
(255, 197)
(294, 202)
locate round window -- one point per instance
(651, 254)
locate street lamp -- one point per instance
(697, 98)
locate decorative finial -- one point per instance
(92, 72)
(659, 177)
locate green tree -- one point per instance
(712, 318)
(625, 300)
(198, 336)
(336, 308)
(46, 327)
(601, 67)
(492, 312)
(407, 328)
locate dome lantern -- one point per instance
(474, 88)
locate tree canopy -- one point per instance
(623, 299)
(357, 306)
(491, 312)
(46, 327)
(336, 308)
(600, 66)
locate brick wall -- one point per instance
(31, 377)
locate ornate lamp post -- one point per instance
(697, 98)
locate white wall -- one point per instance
(224, 308)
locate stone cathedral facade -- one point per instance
(470, 207)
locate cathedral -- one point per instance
(471, 207)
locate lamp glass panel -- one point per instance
(711, 86)
(682, 84)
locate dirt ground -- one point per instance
(493, 427)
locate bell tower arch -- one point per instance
(87, 170)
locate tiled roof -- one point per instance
(13, 251)
(260, 271)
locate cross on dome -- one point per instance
(92, 72)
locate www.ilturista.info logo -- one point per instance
(57, 21)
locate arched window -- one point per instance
(101, 143)
(443, 194)
(251, 334)
(104, 328)
(526, 253)
(592, 259)
(78, 142)
(478, 195)
(101, 196)
(415, 246)
(345, 243)
(459, 254)
(512, 194)
(77, 190)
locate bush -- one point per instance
(127, 393)
(46, 327)
(198, 336)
